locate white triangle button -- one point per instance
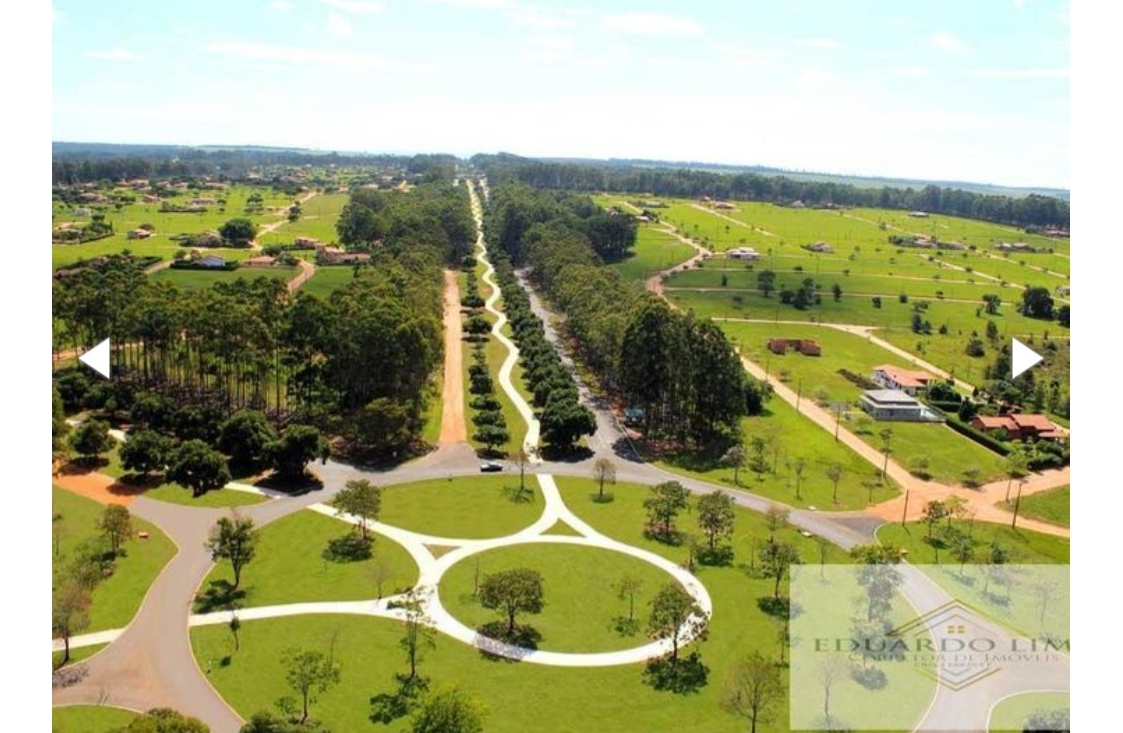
(97, 358)
(1023, 357)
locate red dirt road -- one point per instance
(453, 428)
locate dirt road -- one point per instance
(453, 427)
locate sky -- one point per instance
(954, 90)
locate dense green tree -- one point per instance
(776, 560)
(1037, 303)
(70, 614)
(197, 466)
(239, 232)
(146, 451)
(243, 436)
(766, 282)
(295, 449)
(514, 591)
(91, 439)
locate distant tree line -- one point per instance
(1033, 210)
(82, 163)
(681, 370)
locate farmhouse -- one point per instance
(138, 234)
(918, 214)
(807, 347)
(335, 256)
(797, 204)
(212, 261)
(1019, 426)
(893, 404)
(1014, 247)
(818, 247)
(742, 253)
(203, 202)
(893, 377)
(305, 243)
(723, 205)
(260, 261)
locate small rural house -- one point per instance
(212, 261)
(1019, 426)
(905, 380)
(742, 253)
(138, 234)
(260, 261)
(893, 404)
(807, 347)
(818, 247)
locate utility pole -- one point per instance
(905, 511)
(1017, 504)
(799, 395)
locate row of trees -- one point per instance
(1032, 210)
(563, 418)
(681, 371)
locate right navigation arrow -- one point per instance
(1023, 357)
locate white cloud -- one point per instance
(908, 72)
(299, 55)
(477, 4)
(946, 42)
(1020, 73)
(115, 54)
(358, 7)
(815, 79)
(337, 25)
(544, 20)
(820, 44)
(282, 5)
(651, 24)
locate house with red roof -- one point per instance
(908, 381)
(1019, 426)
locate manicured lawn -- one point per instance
(288, 566)
(77, 654)
(176, 494)
(949, 454)
(1011, 714)
(469, 507)
(318, 218)
(1026, 547)
(116, 598)
(199, 279)
(655, 251)
(580, 603)
(327, 280)
(796, 437)
(523, 697)
(89, 718)
(1049, 506)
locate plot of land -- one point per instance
(290, 567)
(116, 598)
(1049, 506)
(469, 507)
(88, 719)
(1026, 547)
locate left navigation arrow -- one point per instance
(97, 358)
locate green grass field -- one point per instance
(1026, 547)
(796, 437)
(176, 494)
(580, 605)
(199, 279)
(289, 566)
(522, 697)
(468, 507)
(327, 280)
(117, 598)
(89, 718)
(166, 225)
(949, 454)
(655, 251)
(1011, 714)
(320, 213)
(1049, 506)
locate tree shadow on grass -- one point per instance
(218, 596)
(566, 455)
(775, 607)
(515, 495)
(79, 466)
(351, 547)
(524, 637)
(687, 675)
(386, 707)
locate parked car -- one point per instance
(491, 466)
